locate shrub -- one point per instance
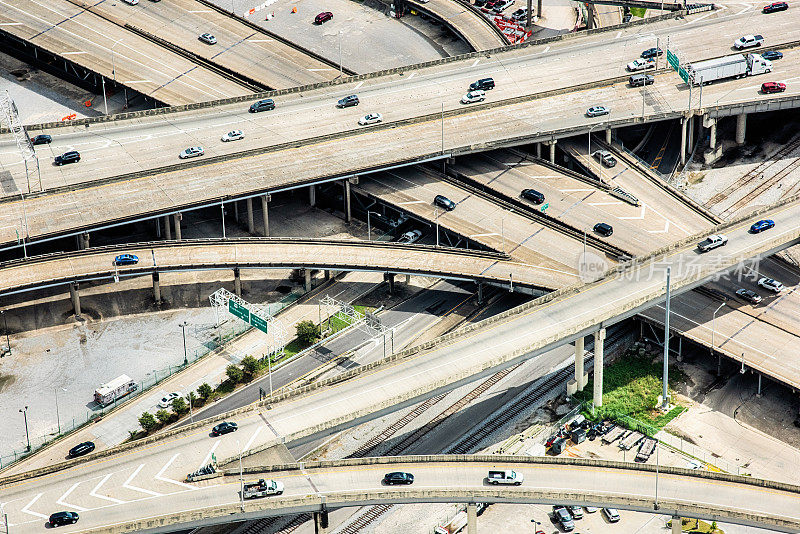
(251, 366)
(179, 406)
(235, 373)
(163, 416)
(307, 332)
(147, 422)
(205, 391)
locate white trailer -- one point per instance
(734, 66)
(114, 390)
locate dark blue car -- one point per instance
(760, 226)
(126, 259)
(772, 55)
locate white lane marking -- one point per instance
(253, 438)
(619, 34)
(201, 11)
(359, 84)
(11, 24)
(411, 75)
(576, 190)
(138, 81)
(612, 203)
(37, 514)
(638, 217)
(127, 484)
(65, 504)
(71, 53)
(412, 202)
(94, 493)
(208, 456)
(260, 40)
(664, 231)
(547, 49)
(316, 70)
(745, 9)
(476, 62)
(165, 479)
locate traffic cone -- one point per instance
(294, 9)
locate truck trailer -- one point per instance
(114, 390)
(734, 66)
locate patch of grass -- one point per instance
(335, 323)
(695, 525)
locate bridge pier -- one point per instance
(307, 284)
(237, 281)
(552, 144)
(167, 228)
(389, 277)
(741, 128)
(599, 338)
(84, 240)
(177, 218)
(76, 299)
(472, 518)
(321, 522)
(711, 124)
(347, 201)
(265, 212)
(758, 394)
(327, 274)
(608, 136)
(589, 16)
(683, 140)
(312, 195)
(156, 287)
(251, 224)
(676, 525)
(539, 150)
(581, 377)
(691, 133)
(480, 293)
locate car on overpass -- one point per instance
(81, 449)
(42, 139)
(410, 237)
(604, 229)
(207, 38)
(224, 427)
(323, 17)
(772, 55)
(597, 111)
(371, 118)
(533, 195)
(749, 295)
(346, 102)
(473, 96)
(771, 284)
(774, 7)
(131, 2)
(233, 135)
(606, 157)
(397, 478)
(444, 202)
(63, 518)
(484, 84)
(192, 152)
(126, 259)
(266, 104)
(73, 156)
(760, 226)
(651, 53)
(641, 64)
(748, 41)
(638, 80)
(772, 87)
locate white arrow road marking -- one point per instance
(252, 438)
(94, 493)
(664, 231)
(208, 456)
(127, 484)
(638, 217)
(165, 479)
(65, 504)
(37, 514)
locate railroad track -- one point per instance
(373, 513)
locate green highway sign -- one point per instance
(239, 311)
(544, 207)
(672, 59)
(683, 74)
(258, 322)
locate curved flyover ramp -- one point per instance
(94, 264)
(465, 20)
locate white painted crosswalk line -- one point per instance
(94, 493)
(165, 479)
(61, 500)
(127, 484)
(37, 514)
(207, 459)
(252, 438)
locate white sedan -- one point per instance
(192, 152)
(166, 402)
(372, 118)
(641, 64)
(596, 111)
(234, 135)
(771, 284)
(473, 96)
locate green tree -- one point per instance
(191, 398)
(163, 416)
(235, 373)
(251, 366)
(179, 406)
(205, 391)
(307, 332)
(147, 422)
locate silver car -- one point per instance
(597, 111)
(233, 135)
(771, 284)
(192, 152)
(372, 118)
(208, 38)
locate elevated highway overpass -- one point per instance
(315, 486)
(465, 20)
(157, 465)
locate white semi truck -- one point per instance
(114, 390)
(735, 66)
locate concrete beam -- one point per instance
(76, 299)
(599, 338)
(741, 128)
(251, 224)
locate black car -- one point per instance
(83, 448)
(652, 52)
(638, 80)
(627, 18)
(480, 3)
(484, 84)
(444, 202)
(346, 102)
(262, 105)
(73, 156)
(42, 139)
(398, 477)
(63, 518)
(775, 6)
(604, 229)
(772, 55)
(224, 428)
(533, 195)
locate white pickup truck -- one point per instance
(712, 242)
(748, 41)
(262, 488)
(506, 476)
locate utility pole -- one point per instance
(5, 327)
(665, 397)
(183, 326)
(27, 435)
(222, 209)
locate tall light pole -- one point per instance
(665, 400)
(27, 435)
(58, 418)
(5, 327)
(183, 326)
(340, 54)
(114, 63)
(241, 477)
(369, 226)
(436, 219)
(222, 210)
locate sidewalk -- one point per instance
(113, 429)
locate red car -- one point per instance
(325, 16)
(775, 6)
(773, 87)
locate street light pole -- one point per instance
(241, 477)
(113, 62)
(222, 209)
(27, 435)
(369, 225)
(340, 54)
(436, 219)
(183, 326)
(665, 400)
(5, 327)
(58, 419)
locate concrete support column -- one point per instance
(552, 144)
(177, 219)
(472, 518)
(480, 293)
(683, 140)
(236, 211)
(599, 338)
(327, 274)
(307, 273)
(539, 150)
(408, 279)
(156, 287)
(580, 375)
(680, 349)
(312, 195)
(167, 228)
(237, 281)
(589, 16)
(265, 212)
(676, 525)
(389, 277)
(741, 128)
(758, 394)
(84, 240)
(608, 136)
(691, 132)
(76, 299)
(320, 523)
(712, 133)
(158, 227)
(347, 201)
(251, 224)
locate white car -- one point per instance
(410, 237)
(131, 2)
(596, 111)
(192, 152)
(473, 96)
(233, 135)
(208, 38)
(372, 118)
(771, 284)
(166, 402)
(641, 64)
